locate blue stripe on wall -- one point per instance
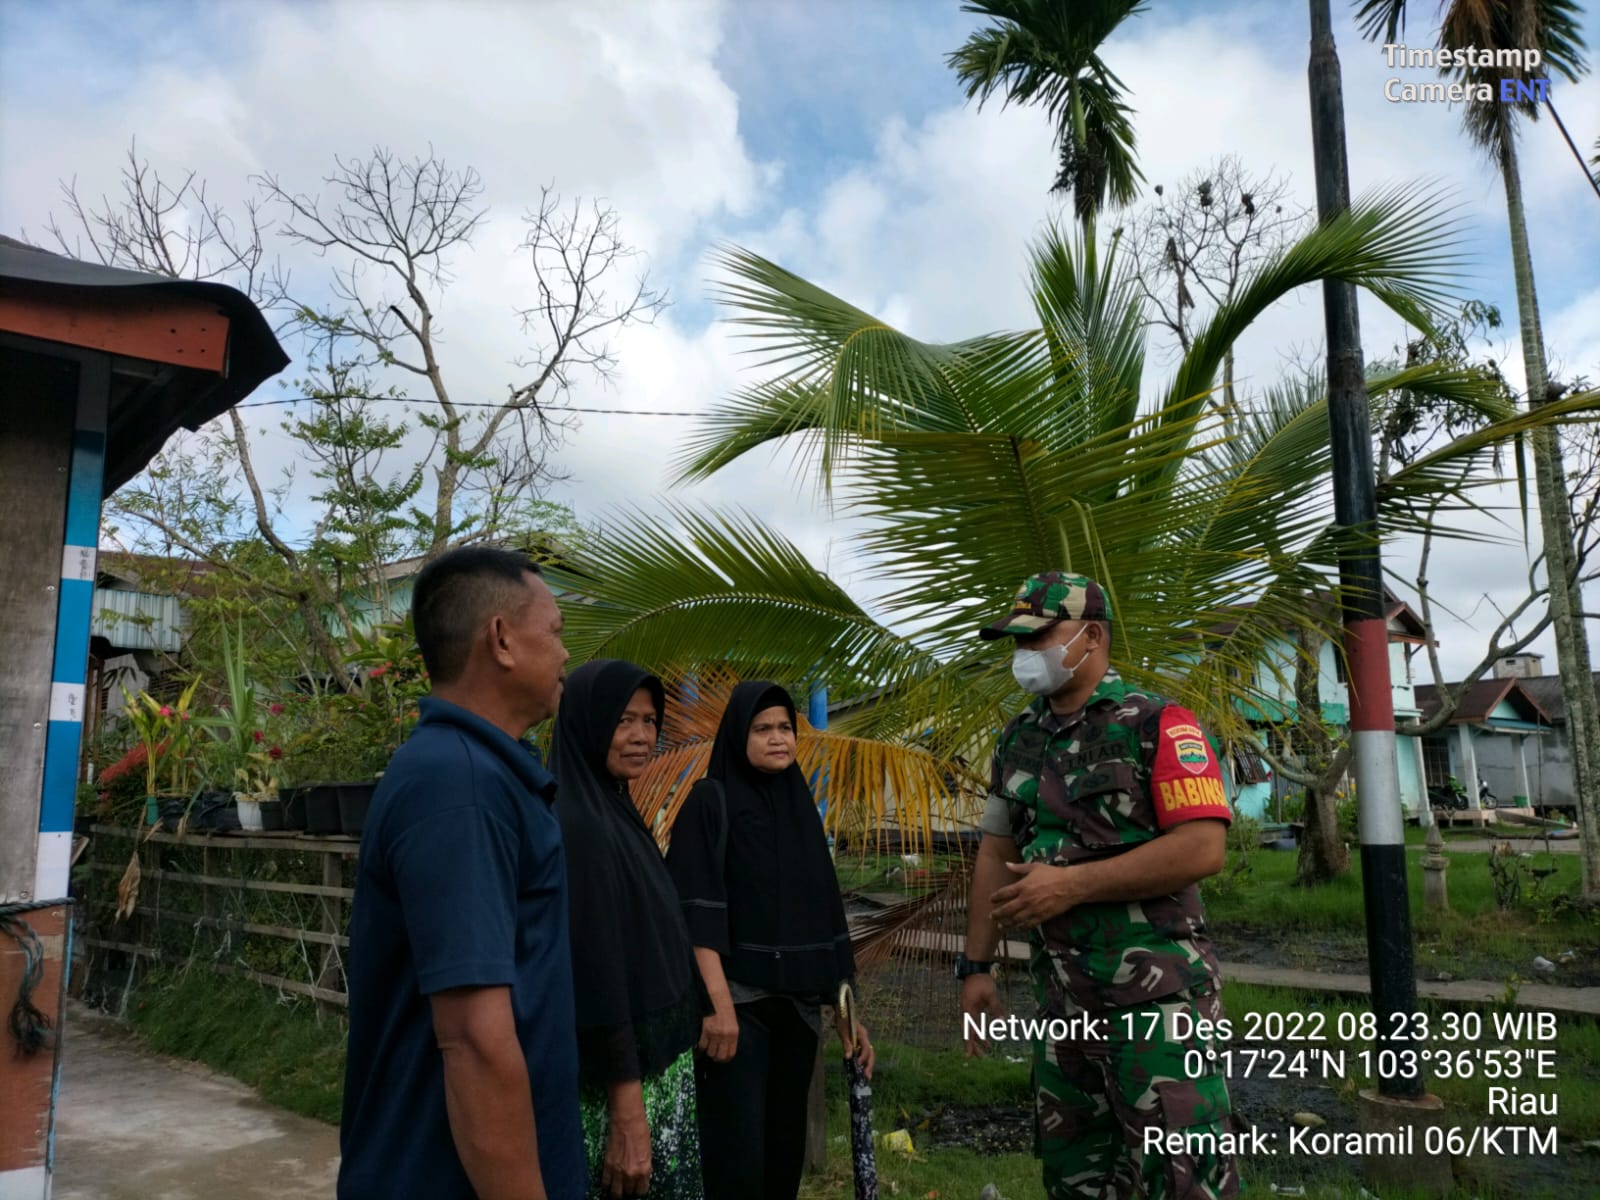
(72, 630)
(60, 776)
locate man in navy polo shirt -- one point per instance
(462, 1076)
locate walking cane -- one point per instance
(863, 1159)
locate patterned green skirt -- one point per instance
(674, 1140)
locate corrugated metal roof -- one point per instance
(137, 620)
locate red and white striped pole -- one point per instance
(1366, 637)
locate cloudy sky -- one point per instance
(827, 134)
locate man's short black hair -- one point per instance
(455, 595)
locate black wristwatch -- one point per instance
(966, 966)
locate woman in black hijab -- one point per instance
(763, 909)
(639, 997)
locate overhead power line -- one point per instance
(617, 412)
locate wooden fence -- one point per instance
(269, 907)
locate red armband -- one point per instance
(1186, 781)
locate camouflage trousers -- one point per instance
(1095, 1096)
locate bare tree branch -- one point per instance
(1196, 243)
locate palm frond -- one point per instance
(1093, 322)
(1399, 244)
(1437, 471)
(694, 587)
(1381, 18)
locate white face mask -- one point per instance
(1041, 673)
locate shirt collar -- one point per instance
(1111, 688)
(521, 757)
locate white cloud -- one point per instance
(625, 101)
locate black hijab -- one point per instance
(639, 995)
(771, 906)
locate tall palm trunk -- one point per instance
(1566, 606)
(1080, 148)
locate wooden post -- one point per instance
(329, 973)
(212, 902)
(208, 859)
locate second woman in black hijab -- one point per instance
(763, 909)
(639, 998)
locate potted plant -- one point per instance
(167, 732)
(256, 789)
(331, 766)
(240, 767)
(392, 680)
(257, 782)
(148, 725)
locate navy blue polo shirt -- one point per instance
(462, 883)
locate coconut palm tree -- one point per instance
(976, 462)
(1553, 27)
(1048, 53)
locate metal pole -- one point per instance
(1366, 639)
(817, 715)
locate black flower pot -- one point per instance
(172, 813)
(271, 815)
(322, 809)
(214, 812)
(354, 800)
(294, 807)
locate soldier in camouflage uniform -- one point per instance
(1106, 808)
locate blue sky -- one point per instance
(827, 134)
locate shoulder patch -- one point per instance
(1189, 745)
(1186, 780)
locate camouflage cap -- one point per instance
(1046, 598)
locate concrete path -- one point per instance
(1575, 1001)
(1531, 845)
(132, 1126)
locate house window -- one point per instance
(1436, 761)
(1249, 766)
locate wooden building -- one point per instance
(98, 368)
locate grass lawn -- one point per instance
(283, 1047)
(907, 1082)
(1314, 927)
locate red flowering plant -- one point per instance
(122, 784)
(167, 732)
(392, 679)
